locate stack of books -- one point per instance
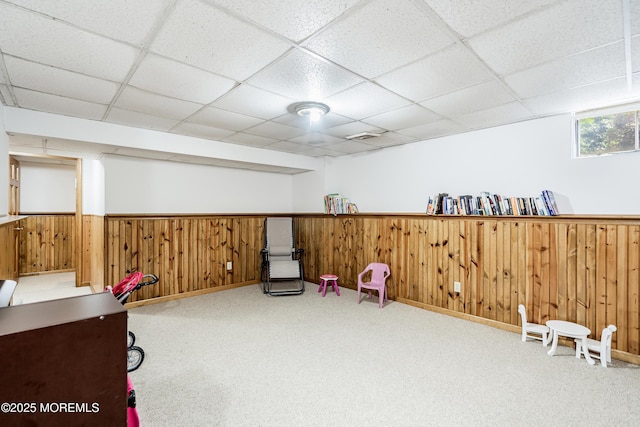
(335, 204)
(492, 204)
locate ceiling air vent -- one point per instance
(362, 136)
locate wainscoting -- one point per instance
(188, 254)
(46, 243)
(583, 269)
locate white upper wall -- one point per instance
(308, 191)
(92, 187)
(515, 160)
(47, 188)
(155, 186)
(4, 166)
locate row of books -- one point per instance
(335, 204)
(492, 204)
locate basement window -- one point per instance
(607, 132)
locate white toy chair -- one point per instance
(541, 331)
(602, 348)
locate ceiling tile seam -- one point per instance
(328, 61)
(9, 85)
(559, 58)
(463, 43)
(303, 46)
(516, 19)
(292, 44)
(249, 22)
(449, 92)
(70, 24)
(326, 27)
(3, 101)
(143, 51)
(204, 107)
(626, 18)
(55, 67)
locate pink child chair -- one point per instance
(379, 274)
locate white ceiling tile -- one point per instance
(286, 146)
(315, 139)
(496, 116)
(250, 140)
(224, 119)
(5, 96)
(59, 105)
(30, 36)
(320, 152)
(435, 129)
(274, 130)
(201, 131)
(254, 102)
(585, 97)
(208, 38)
(205, 47)
(448, 70)
(293, 19)
(472, 17)
(589, 67)
(44, 78)
(565, 28)
(409, 116)
(352, 147)
(124, 20)
(389, 139)
(304, 77)
(379, 37)
(140, 120)
(150, 103)
(352, 128)
(177, 80)
(464, 101)
(329, 120)
(364, 100)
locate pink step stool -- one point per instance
(327, 279)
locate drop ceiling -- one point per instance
(228, 70)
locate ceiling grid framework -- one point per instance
(230, 70)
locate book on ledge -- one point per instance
(550, 201)
(492, 204)
(335, 204)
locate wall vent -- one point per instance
(362, 136)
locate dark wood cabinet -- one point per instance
(64, 362)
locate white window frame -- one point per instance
(618, 109)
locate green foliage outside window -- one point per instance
(607, 134)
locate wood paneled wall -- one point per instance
(8, 250)
(92, 256)
(47, 243)
(579, 269)
(188, 254)
(583, 270)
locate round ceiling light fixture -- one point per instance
(313, 110)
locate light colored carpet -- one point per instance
(240, 358)
(44, 287)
